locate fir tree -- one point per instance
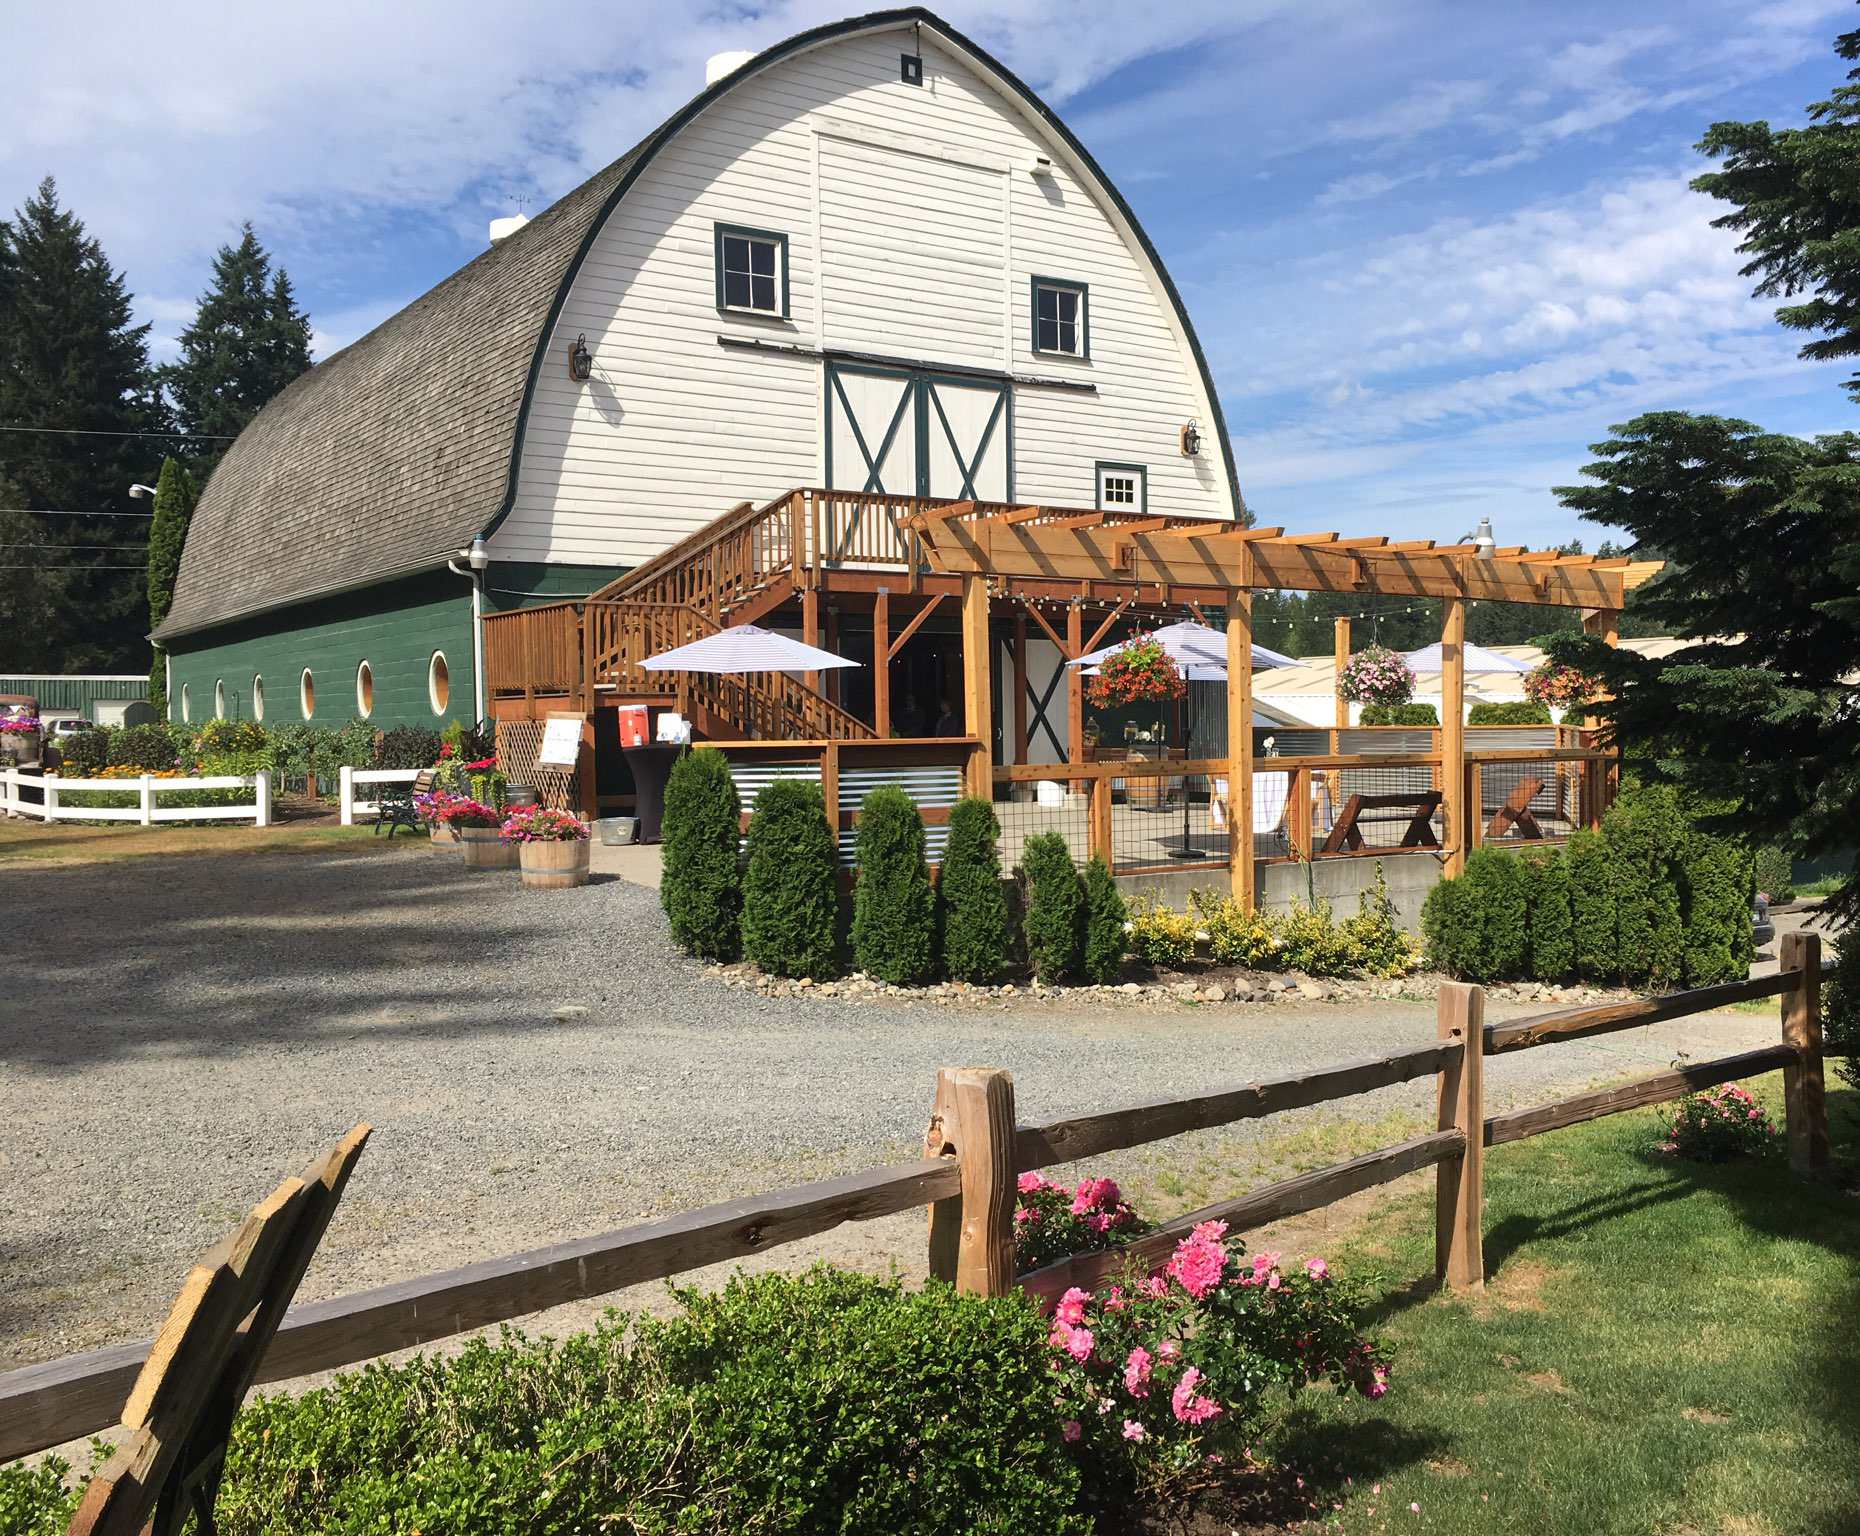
(175, 496)
(72, 363)
(248, 340)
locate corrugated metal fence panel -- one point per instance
(934, 788)
(77, 691)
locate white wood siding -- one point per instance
(932, 230)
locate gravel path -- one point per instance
(537, 1065)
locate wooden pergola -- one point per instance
(1037, 552)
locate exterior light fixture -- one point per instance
(1191, 441)
(480, 556)
(1482, 541)
(139, 491)
(580, 360)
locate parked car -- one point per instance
(74, 725)
(1762, 930)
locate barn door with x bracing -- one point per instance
(904, 432)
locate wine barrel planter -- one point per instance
(445, 836)
(485, 848)
(519, 797)
(549, 866)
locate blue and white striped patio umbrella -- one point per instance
(745, 648)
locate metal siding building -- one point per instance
(79, 692)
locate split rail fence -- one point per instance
(974, 1154)
(49, 805)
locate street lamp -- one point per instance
(138, 491)
(1484, 545)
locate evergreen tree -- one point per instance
(972, 915)
(790, 899)
(1105, 915)
(71, 362)
(248, 340)
(27, 589)
(1054, 924)
(175, 496)
(894, 915)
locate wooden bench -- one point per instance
(394, 805)
(1416, 809)
(1516, 812)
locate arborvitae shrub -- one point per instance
(1840, 1008)
(1105, 914)
(1398, 714)
(894, 921)
(1523, 712)
(1549, 933)
(702, 887)
(1477, 929)
(1646, 833)
(1718, 884)
(789, 900)
(1594, 930)
(972, 915)
(1054, 904)
(1775, 871)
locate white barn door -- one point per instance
(904, 432)
(968, 439)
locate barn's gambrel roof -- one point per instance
(389, 457)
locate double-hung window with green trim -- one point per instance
(752, 270)
(1061, 318)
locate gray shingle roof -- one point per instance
(388, 456)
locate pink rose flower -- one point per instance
(1078, 1346)
(1137, 1372)
(1132, 1430)
(1072, 1430)
(1071, 1308)
(1189, 1406)
(1317, 1269)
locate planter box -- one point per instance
(485, 849)
(549, 866)
(445, 837)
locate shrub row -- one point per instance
(1523, 712)
(1398, 714)
(1648, 900)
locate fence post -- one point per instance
(147, 800)
(1459, 1257)
(264, 797)
(51, 796)
(1805, 1103)
(346, 777)
(1098, 824)
(972, 1234)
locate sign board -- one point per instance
(561, 744)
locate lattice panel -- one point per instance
(518, 742)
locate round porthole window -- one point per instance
(365, 690)
(438, 682)
(306, 694)
(187, 706)
(219, 698)
(258, 697)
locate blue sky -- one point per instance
(1433, 249)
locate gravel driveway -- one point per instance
(537, 1065)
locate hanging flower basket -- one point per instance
(1549, 683)
(1376, 675)
(1139, 671)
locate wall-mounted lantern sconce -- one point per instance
(1191, 441)
(580, 360)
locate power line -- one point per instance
(52, 512)
(142, 567)
(204, 437)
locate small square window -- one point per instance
(1060, 323)
(911, 68)
(752, 270)
(1123, 488)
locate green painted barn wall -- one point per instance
(75, 692)
(394, 627)
(522, 584)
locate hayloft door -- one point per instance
(968, 439)
(906, 432)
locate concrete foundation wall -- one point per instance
(1409, 877)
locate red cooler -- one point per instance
(635, 728)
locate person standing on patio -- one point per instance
(910, 719)
(948, 722)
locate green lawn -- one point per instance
(1663, 1349)
(62, 843)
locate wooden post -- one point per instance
(1240, 737)
(1805, 1104)
(1020, 686)
(830, 790)
(972, 1235)
(1340, 640)
(810, 628)
(1453, 731)
(1298, 815)
(1475, 794)
(978, 704)
(1075, 688)
(1098, 825)
(833, 644)
(1605, 625)
(881, 663)
(1459, 1256)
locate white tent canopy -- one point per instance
(1198, 650)
(745, 648)
(1476, 658)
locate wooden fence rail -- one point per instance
(975, 1153)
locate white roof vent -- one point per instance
(503, 229)
(720, 64)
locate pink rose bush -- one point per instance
(1722, 1124)
(1052, 1222)
(1150, 1370)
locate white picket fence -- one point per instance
(353, 776)
(147, 811)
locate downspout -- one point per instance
(479, 558)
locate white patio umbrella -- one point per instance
(1476, 658)
(745, 648)
(1198, 650)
